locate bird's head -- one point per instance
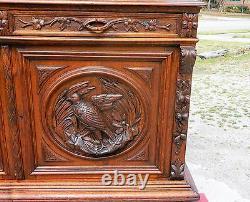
(74, 98)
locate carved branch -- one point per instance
(96, 25)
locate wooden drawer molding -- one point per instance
(42, 22)
(183, 91)
(91, 24)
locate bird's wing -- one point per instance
(91, 118)
(80, 88)
(63, 112)
(105, 101)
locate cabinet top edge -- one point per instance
(110, 2)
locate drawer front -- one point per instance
(47, 23)
(94, 111)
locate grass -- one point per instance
(224, 32)
(208, 45)
(225, 14)
(220, 84)
(240, 35)
(228, 62)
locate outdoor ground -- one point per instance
(219, 133)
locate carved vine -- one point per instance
(12, 113)
(96, 25)
(97, 124)
(189, 25)
(183, 91)
(181, 112)
(3, 21)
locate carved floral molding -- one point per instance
(96, 25)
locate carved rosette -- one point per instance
(189, 25)
(3, 22)
(12, 112)
(182, 104)
(96, 117)
(96, 25)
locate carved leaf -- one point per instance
(44, 72)
(50, 156)
(143, 155)
(177, 170)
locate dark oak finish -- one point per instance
(88, 87)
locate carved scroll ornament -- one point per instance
(97, 124)
(96, 25)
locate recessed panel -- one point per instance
(97, 111)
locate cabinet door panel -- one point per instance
(96, 109)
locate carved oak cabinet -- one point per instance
(89, 87)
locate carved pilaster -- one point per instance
(3, 22)
(12, 112)
(183, 92)
(189, 25)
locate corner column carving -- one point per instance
(182, 104)
(12, 115)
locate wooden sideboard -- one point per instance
(89, 87)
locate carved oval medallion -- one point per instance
(95, 116)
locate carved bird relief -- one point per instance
(97, 124)
(89, 113)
